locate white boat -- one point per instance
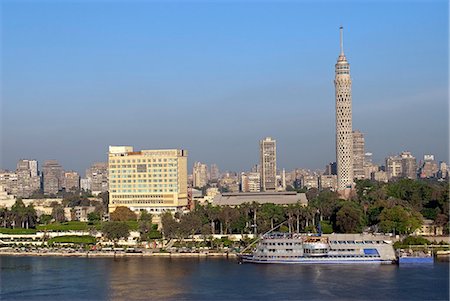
(287, 248)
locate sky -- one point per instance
(215, 77)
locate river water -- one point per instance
(59, 278)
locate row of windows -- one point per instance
(123, 176)
(142, 160)
(140, 202)
(144, 181)
(142, 165)
(143, 190)
(142, 185)
(138, 196)
(147, 171)
(357, 242)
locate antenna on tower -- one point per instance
(341, 29)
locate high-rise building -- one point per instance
(443, 170)
(71, 181)
(53, 177)
(214, 173)
(28, 179)
(97, 176)
(393, 167)
(200, 175)
(152, 180)
(251, 182)
(429, 168)
(327, 182)
(344, 137)
(409, 165)
(330, 169)
(8, 180)
(358, 155)
(268, 162)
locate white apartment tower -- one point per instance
(268, 161)
(344, 136)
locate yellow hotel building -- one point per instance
(152, 180)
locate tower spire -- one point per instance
(341, 29)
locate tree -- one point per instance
(399, 220)
(93, 217)
(5, 218)
(272, 212)
(45, 219)
(227, 216)
(145, 224)
(58, 212)
(169, 225)
(190, 224)
(349, 218)
(122, 214)
(115, 230)
(23, 216)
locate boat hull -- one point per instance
(251, 259)
(415, 259)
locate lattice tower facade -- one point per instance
(344, 136)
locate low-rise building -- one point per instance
(278, 198)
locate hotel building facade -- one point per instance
(152, 180)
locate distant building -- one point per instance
(97, 176)
(443, 171)
(429, 168)
(327, 182)
(229, 182)
(53, 177)
(268, 162)
(71, 181)
(200, 175)
(409, 165)
(278, 198)
(28, 179)
(152, 180)
(331, 169)
(214, 173)
(8, 180)
(358, 155)
(310, 181)
(251, 182)
(85, 184)
(380, 176)
(78, 213)
(394, 167)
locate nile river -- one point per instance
(55, 278)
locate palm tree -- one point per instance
(290, 211)
(254, 207)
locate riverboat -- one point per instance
(414, 257)
(293, 248)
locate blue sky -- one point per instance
(215, 77)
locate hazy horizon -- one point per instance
(215, 77)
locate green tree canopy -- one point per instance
(399, 220)
(115, 230)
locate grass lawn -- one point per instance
(85, 239)
(67, 226)
(17, 231)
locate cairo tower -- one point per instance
(344, 138)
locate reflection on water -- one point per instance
(50, 278)
(148, 278)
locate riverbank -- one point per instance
(118, 254)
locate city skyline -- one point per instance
(71, 110)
